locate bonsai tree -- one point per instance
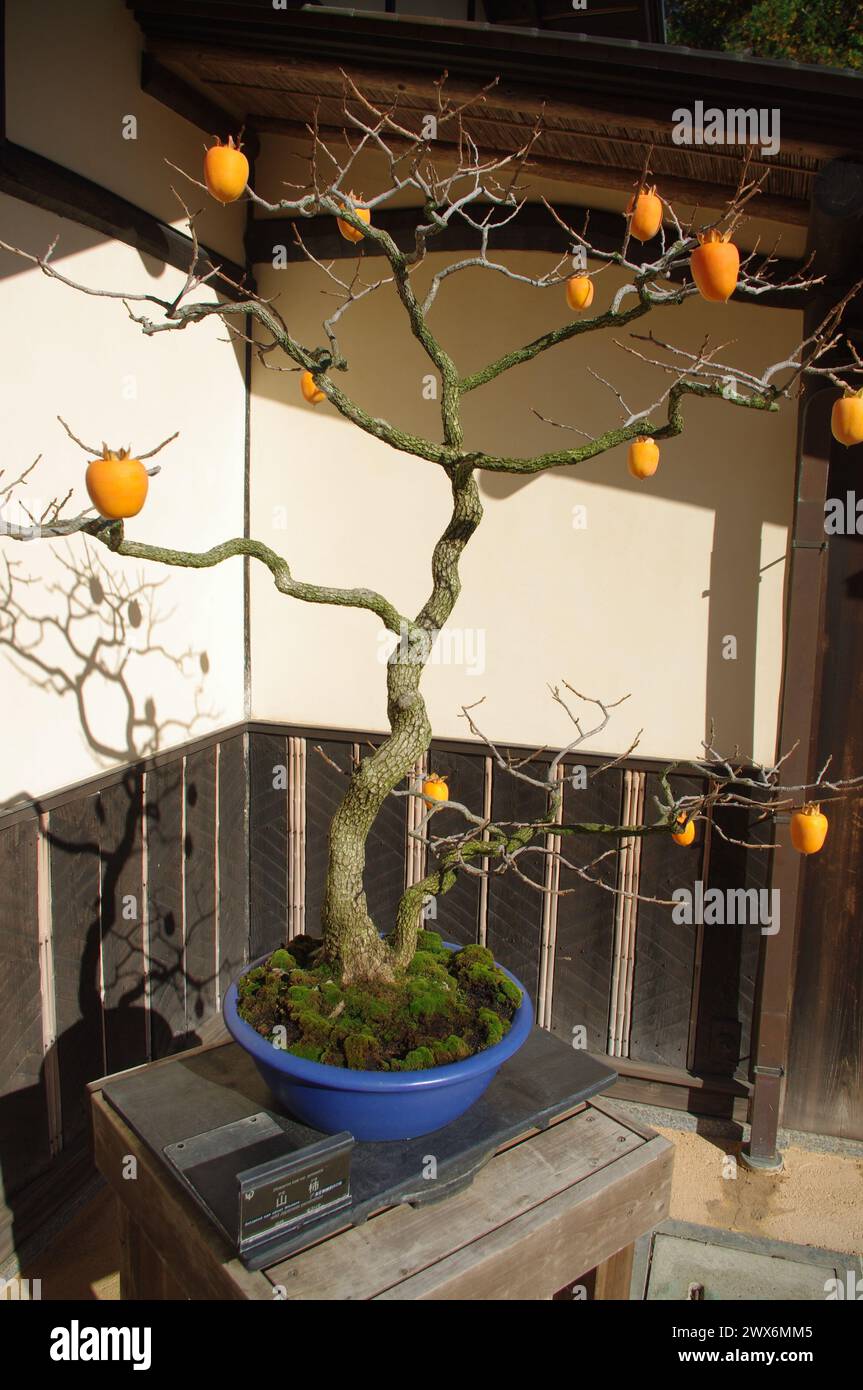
(683, 261)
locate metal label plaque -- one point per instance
(255, 1183)
(292, 1192)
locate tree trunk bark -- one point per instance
(350, 938)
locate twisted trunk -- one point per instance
(350, 938)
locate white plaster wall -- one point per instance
(73, 74)
(81, 357)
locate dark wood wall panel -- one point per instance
(121, 811)
(664, 951)
(384, 878)
(268, 843)
(233, 859)
(73, 834)
(825, 1070)
(24, 1151)
(585, 916)
(514, 908)
(458, 910)
(325, 787)
(164, 815)
(199, 849)
(729, 954)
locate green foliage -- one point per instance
(805, 31)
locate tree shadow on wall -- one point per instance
(126, 956)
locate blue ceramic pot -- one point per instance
(376, 1104)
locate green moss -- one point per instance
(451, 1049)
(308, 1051)
(429, 998)
(331, 995)
(251, 983)
(446, 1007)
(431, 941)
(419, 1059)
(313, 1027)
(472, 955)
(305, 979)
(429, 964)
(492, 1025)
(362, 1052)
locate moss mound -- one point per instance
(448, 1005)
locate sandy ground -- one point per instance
(817, 1200)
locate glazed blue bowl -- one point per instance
(376, 1104)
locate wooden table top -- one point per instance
(548, 1207)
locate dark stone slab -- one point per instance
(546, 1078)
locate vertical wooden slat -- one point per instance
(415, 846)
(487, 783)
(585, 915)
(296, 884)
(199, 890)
(45, 915)
(326, 784)
(514, 908)
(620, 913)
(163, 805)
(24, 1137)
(729, 954)
(233, 848)
(73, 833)
(121, 810)
(549, 917)
(268, 835)
(664, 966)
(633, 885)
(456, 914)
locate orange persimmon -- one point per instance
(117, 484)
(226, 171)
(579, 292)
(643, 457)
(715, 266)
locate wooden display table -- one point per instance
(554, 1207)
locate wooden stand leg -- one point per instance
(129, 1261)
(613, 1276)
(143, 1272)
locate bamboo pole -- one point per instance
(619, 903)
(482, 924)
(549, 920)
(46, 988)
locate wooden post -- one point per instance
(834, 239)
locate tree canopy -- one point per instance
(827, 32)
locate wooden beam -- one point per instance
(639, 81)
(694, 191)
(187, 101)
(50, 186)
